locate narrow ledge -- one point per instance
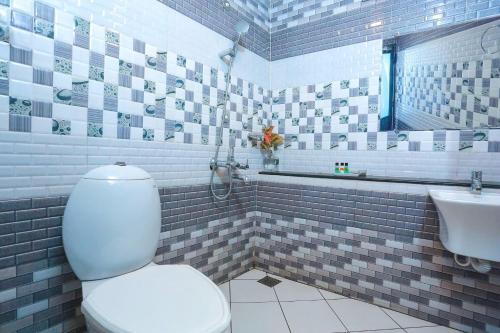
(368, 178)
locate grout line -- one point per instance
(283, 312)
(388, 315)
(335, 313)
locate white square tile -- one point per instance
(251, 291)
(254, 274)
(329, 295)
(293, 291)
(359, 316)
(257, 317)
(406, 321)
(311, 316)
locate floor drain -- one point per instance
(269, 281)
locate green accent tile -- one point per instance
(4, 69)
(125, 68)
(61, 127)
(181, 61)
(110, 90)
(96, 73)
(149, 110)
(148, 134)
(112, 37)
(151, 62)
(124, 119)
(162, 56)
(149, 86)
(179, 83)
(4, 32)
(80, 86)
(20, 106)
(82, 26)
(198, 77)
(62, 96)
(44, 28)
(62, 65)
(94, 130)
(180, 104)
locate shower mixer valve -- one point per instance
(230, 163)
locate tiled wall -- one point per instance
(115, 87)
(376, 246)
(290, 13)
(452, 79)
(342, 114)
(320, 116)
(385, 19)
(40, 293)
(213, 15)
(78, 94)
(256, 11)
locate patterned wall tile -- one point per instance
(127, 76)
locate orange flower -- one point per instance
(268, 135)
(269, 139)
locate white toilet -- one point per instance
(111, 229)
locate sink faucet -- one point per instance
(476, 182)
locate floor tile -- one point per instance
(436, 329)
(311, 316)
(406, 321)
(225, 290)
(251, 291)
(258, 318)
(293, 291)
(397, 330)
(329, 295)
(254, 274)
(361, 316)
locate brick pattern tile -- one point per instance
(375, 246)
(38, 290)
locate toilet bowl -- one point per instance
(111, 229)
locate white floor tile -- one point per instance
(329, 295)
(251, 291)
(225, 290)
(311, 316)
(361, 316)
(258, 318)
(293, 291)
(254, 274)
(436, 329)
(406, 321)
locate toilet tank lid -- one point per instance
(119, 171)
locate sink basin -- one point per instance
(469, 223)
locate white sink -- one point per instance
(469, 223)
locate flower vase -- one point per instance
(271, 162)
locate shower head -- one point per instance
(241, 27)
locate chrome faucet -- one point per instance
(476, 182)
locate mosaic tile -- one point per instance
(44, 28)
(61, 127)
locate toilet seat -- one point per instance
(160, 298)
